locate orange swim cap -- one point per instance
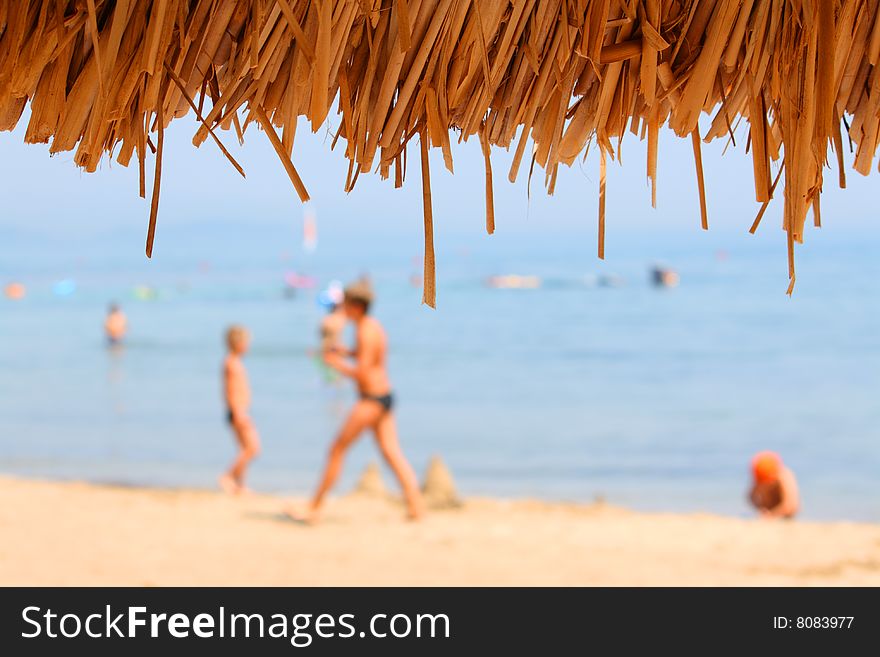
(766, 466)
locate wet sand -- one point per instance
(74, 533)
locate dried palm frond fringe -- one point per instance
(107, 76)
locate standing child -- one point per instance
(238, 399)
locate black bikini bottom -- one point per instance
(387, 401)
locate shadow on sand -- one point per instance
(276, 516)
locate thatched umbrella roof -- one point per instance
(106, 77)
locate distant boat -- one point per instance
(514, 282)
(310, 230)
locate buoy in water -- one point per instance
(144, 293)
(64, 288)
(331, 297)
(15, 291)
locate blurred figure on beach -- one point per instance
(366, 366)
(115, 325)
(237, 395)
(774, 490)
(333, 323)
(331, 329)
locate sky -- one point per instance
(43, 194)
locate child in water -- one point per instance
(774, 490)
(238, 398)
(115, 325)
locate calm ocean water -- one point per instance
(650, 399)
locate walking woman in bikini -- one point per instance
(365, 365)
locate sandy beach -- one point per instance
(83, 534)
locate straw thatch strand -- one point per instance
(107, 76)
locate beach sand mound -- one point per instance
(371, 483)
(439, 487)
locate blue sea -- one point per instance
(595, 385)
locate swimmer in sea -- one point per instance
(115, 325)
(331, 329)
(237, 395)
(374, 409)
(774, 491)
